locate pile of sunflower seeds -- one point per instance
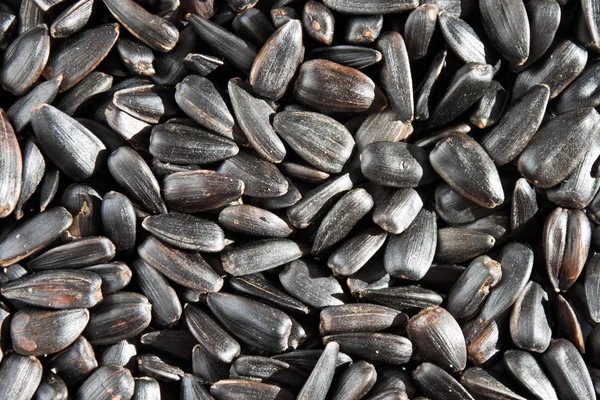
(279, 199)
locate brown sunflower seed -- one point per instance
(567, 324)
(235, 50)
(11, 165)
(83, 202)
(214, 339)
(59, 289)
(516, 263)
(269, 369)
(438, 338)
(471, 290)
(115, 276)
(318, 21)
(244, 389)
(378, 347)
(72, 19)
(75, 65)
(137, 58)
(52, 387)
(419, 29)
(342, 217)
(34, 234)
(432, 380)
(568, 371)
(557, 69)
(19, 377)
(107, 383)
(481, 384)
(119, 221)
(403, 298)
(37, 332)
(60, 136)
(423, 92)
(254, 323)
(350, 318)
(119, 316)
(524, 368)
(80, 253)
(529, 327)
(371, 7)
(355, 252)
(254, 25)
(25, 59)
(462, 39)
(93, 84)
(567, 237)
(318, 383)
(310, 284)
(455, 245)
(331, 87)
(395, 75)
(186, 268)
(363, 29)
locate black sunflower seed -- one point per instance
(93, 84)
(52, 387)
(351, 56)
(395, 75)
(261, 255)
(11, 165)
(80, 253)
(529, 326)
(119, 220)
(490, 107)
(381, 127)
(72, 19)
(524, 210)
(256, 285)
(121, 354)
(49, 187)
(433, 380)
(30, 16)
(208, 367)
(318, 383)
(462, 39)
(583, 92)
(350, 318)
(524, 368)
(567, 324)
(253, 25)
(106, 383)
(83, 202)
(148, 103)
(244, 389)
(355, 252)
(318, 21)
(394, 381)
(269, 369)
(363, 29)
(419, 29)
(311, 284)
(355, 382)
(592, 284)
(138, 58)
(480, 383)
(455, 245)
(146, 388)
(371, 6)
(303, 172)
(454, 208)
(202, 64)
(307, 359)
(115, 276)
(483, 339)
(371, 346)
(20, 376)
(423, 92)
(154, 367)
(403, 298)
(253, 221)
(495, 225)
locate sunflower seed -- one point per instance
(432, 380)
(354, 253)
(72, 19)
(137, 58)
(351, 56)
(269, 369)
(384, 347)
(107, 383)
(355, 382)
(589, 10)
(592, 284)
(120, 354)
(19, 377)
(371, 7)
(525, 369)
(350, 318)
(119, 316)
(202, 64)
(75, 65)
(483, 339)
(423, 92)
(455, 245)
(454, 208)
(20, 112)
(119, 221)
(30, 16)
(442, 276)
(154, 367)
(568, 371)
(210, 335)
(11, 165)
(583, 92)
(49, 187)
(529, 327)
(282, 15)
(318, 383)
(490, 107)
(480, 383)
(253, 25)
(313, 286)
(76, 254)
(418, 30)
(462, 39)
(83, 202)
(115, 276)
(567, 324)
(209, 368)
(52, 387)
(363, 29)
(244, 389)
(253, 221)
(25, 59)
(403, 298)
(318, 21)
(148, 103)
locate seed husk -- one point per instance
(403, 298)
(119, 316)
(524, 368)
(34, 234)
(75, 65)
(206, 366)
(186, 268)
(311, 284)
(254, 323)
(214, 339)
(72, 19)
(480, 383)
(529, 326)
(20, 376)
(433, 380)
(331, 87)
(11, 165)
(423, 92)
(202, 64)
(568, 371)
(307, 359)
(363, 29)
(169, 67)
(567, 324)
(372, 346)
(107, 383)
(319, 140)
(80, 253)
(454, 208)
(371, 7)
(25, 59)
(60, 137)
(244, 389)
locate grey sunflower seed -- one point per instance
(480, 383)
(166, 308)
(371, 7)
(93, 84)
(154, 367)
(20, 111)
(254, 117)
(75, 65)
(490, 107)
(592, 284)
(11, 165)
(516, 262)
(260, 178)
(19, 377)
(363, 29)
(80, 253)
(235, 50)
(567, 237)
(313, 286)
(524, 368)
(244, 389)
(438, 338)
(433, 380)
(52, 387)
(106, 383)
(423, 92)
(396, 164)
(72, 19)
(34, 234)
(119, 316)
(355, 252)
(395, 75)
(471, 290)
(264, 327)
(468, 85)
(529, 327)
(419, 29)
(331, 87)
(378, 347)
(253, 25)
(318, 383)
(186, 268)
(25, 59)
(148, 103)
(402, 298)
(214, 339)
(557, 69)
(118, 220)
(355, 382)
(133, 174)
(37, 332)
(318, 21)
(75, 363)
(351, 56)
(583, 92)
(319, 140)
(137, 58)
(206, 366)
(567, 324)
(115, 276)
(59, 289)
(60, 136)
(83, 202)
(568, 371)
(342, 217)
(406, 260)
(269, 369)
(483, 339)
(202, 64)
(455, 245)
(362, 317)
(462, 39)
(253, 221)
